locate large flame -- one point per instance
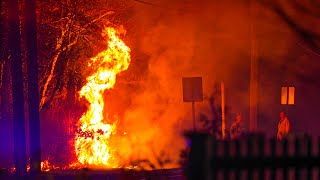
(92, 139)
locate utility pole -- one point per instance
(253, 71)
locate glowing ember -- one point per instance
(44, 165)
(91, 140)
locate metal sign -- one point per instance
(192, 89)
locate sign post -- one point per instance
(223, 121)
(192, 92)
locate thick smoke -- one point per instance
(210, 39)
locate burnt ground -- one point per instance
(114, 174)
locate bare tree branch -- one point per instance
(308, 38)
(66, 34)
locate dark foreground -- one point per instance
(115, 174)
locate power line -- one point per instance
(147, 3)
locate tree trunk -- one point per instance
(6, 128)
(33, 90)
(6, 135)
(17, 88)
(2, 29)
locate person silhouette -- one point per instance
(283, 126)
(236, 128)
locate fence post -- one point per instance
(197, 164)
(226, 155)
(297, 156)
(273, 143)
(318, 156)
(250, 156)
(261, 155)
(309, 157)
(214, 157)
(238, 156)
(285, 155)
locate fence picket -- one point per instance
(255, 157)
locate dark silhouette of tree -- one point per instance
(72, 31)
(5, 92)
(17, 88)
(2, 30)
(302, 17)
(33, 90)
(213, 125)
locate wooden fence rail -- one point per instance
(253, 157)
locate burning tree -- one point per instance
(72, 31)
(67, 36)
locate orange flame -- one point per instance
(92, 139)
(44, 165)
